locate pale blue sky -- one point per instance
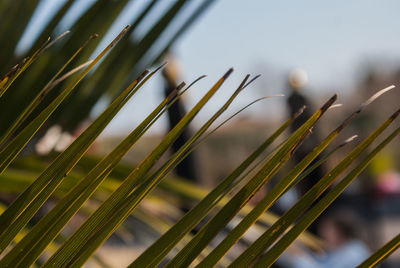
(331, 40)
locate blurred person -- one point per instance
(341, 233)
(297, 82)
(187, 169)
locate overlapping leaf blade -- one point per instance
(36, 101)
(42, 188)
(273, 254)
(73, 244)
(52, 223)
(285, 184)
(158, 250)
(123, 209)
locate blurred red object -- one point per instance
(388, 183)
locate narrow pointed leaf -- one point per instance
(16, 145)
(17, 123)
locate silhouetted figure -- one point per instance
(187, 168)
(297, 81)
(295, 102)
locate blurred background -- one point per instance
(304, 50)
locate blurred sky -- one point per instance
(332, 40)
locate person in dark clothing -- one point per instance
(296, 100)
(187, 168)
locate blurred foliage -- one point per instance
(163, 24)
